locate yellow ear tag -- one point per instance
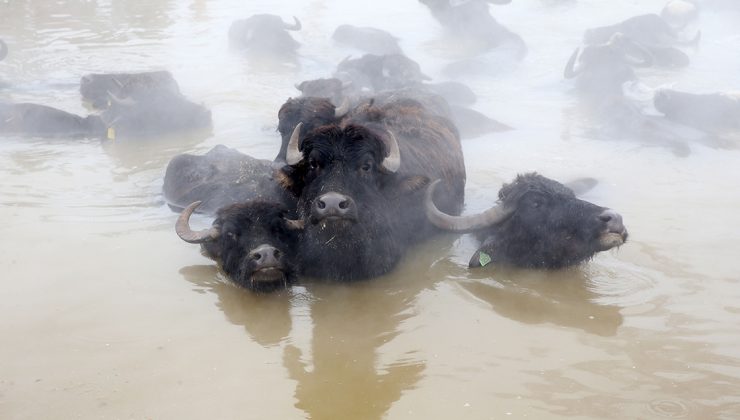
(111, 133)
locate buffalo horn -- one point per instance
(294, 27)
(490, 217)
(293, 155)
(392, 162)
(343, 108)
(3, 50)
(182, 227)
(121, 101)
(570, 68)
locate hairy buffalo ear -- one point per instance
(288, 178)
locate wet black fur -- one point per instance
(346, 158)
(550, 227)
(245, 227)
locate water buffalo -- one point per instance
(472, 21)
(360, 181)
(647, 30)
(264, 35)
(369, 40)
(650, 31)
(157, 115)
(96, 89)
(715, 113)
(601, 70)
(312, 112)
(376, 73)
(253, 242)
(538, 223)
(36, 120)
(221, 177)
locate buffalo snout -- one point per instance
(334, 204)
(265, 256)
(612, 221)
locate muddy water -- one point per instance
(105, 313)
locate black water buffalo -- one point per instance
(98, 88)
(539, 223)
(472, 21)
(158, 115)
(715, 113)
(3, 50)
(369, 40)
(36, 120)
(264, 35)
(653, 33)
(221, 177)
(312, 112)
(601, 70)
(360, 186)
(253, 242)
(375, 73)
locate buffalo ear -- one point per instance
(413, 184)
(581, 186)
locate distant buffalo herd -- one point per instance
(370, 160)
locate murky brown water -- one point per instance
(105, 313)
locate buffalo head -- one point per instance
(252, 242)
(602, 69)
(538, 223)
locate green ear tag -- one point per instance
(483, 258)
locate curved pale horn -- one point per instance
(490, 217)
(342, 109)
(3, 50)
(293, 155)
(294, 27)
(182, 227)
(570, 68)
(392, 162)
(121, 101)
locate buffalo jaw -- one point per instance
(182, 227)
(471, 223)
(614, 234)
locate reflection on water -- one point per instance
(88, 249)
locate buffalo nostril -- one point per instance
(344, 204)
(276, 254)
(320, 204)
(605, 217)
(256, 256)
(613, 221)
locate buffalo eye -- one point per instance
(367, 166)
(231, 235)
(313, 164)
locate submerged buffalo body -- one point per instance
(370, 40)
(360, 186)
(715, 113)
(539, 223)
(253, 243)
(376, 73)
(221, 177)
(43, 121)
(472, 20)
(98, 89)
(264, 35)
